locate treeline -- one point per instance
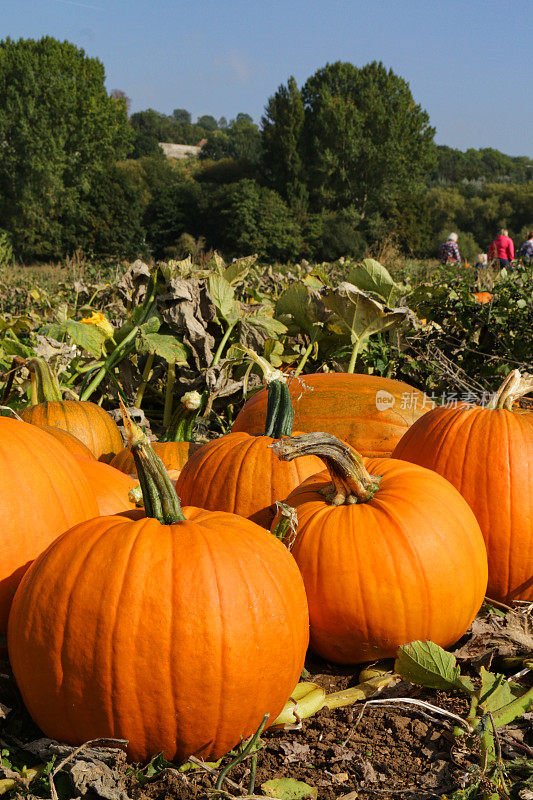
(337, 165)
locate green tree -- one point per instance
(282, 129)
(240, 139)
(60, 134)
(244, 217)
(367, 142)
(171, 208)
(207, 122)
(181, 115)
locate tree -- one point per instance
(207, 122)
(366, 142)
(244, 217)
(282, 129)
(241, 140)
(60, 133)
(182, 116)
(118, 94)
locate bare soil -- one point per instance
(362, 752)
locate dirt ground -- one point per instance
(362, 752)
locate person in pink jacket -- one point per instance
(502, 248)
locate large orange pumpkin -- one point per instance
(110, 486)
(72, 443)
(43, 492)
(177, 631)
(487, 453)
(368, 412)
(390, 554)
(87, 421)
(240, 473)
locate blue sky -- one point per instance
(469, 64)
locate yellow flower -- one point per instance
(98, 319)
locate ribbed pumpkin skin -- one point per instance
(241, 474)
(88, 422)
(74, 445)
(408, 564)
(110, 486)
(178, 638)
(488, 455)
(344, 405)
(174, 455)
(43, 492)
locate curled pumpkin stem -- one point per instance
(512, 389)
(270, 373)
(350, 480)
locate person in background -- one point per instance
(526, 251)
(481, 261)
(449, 252)
(502, 248)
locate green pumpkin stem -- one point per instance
(513, 387)
(350, 480)
(44, 384)
(280, 414)
(159, 495)
(181, 426)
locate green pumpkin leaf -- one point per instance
(260, 319)
(371, 276)
(427, 664)
(88, 337)
(495, 691)
(167, 347)
(13, 348)
(238, 269)
(151, 325)
(273, 352)
(313, 282)
(302, 310)
(223, 296)
(289, 789)
(357, 316)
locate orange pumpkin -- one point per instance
(87, 421)
(72, 443)
(240, 473)
(110, 486)
(174, 456)
(391, 553)
(487, 454)
(177, 631)
(43, 492)
(368, 412)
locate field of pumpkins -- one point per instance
(251, 548)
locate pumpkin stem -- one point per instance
(513, 387)
(159, 495)
(286, 524)
(44, 384)
(181, 426)
(280, 414)
(350, 480)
